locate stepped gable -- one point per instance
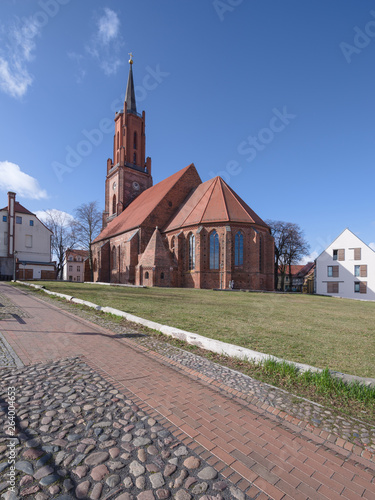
(156, 205)
(157, 253)
(212, 202)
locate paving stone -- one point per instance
(96, 491)
(192, 463)
(97, 458)
(99, 472)
(157, 480)
(136, 468)
(207, 473)
(82, 489)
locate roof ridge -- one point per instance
(224, 198)
(212, 186)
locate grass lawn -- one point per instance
(320, 331)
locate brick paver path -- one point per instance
(256, 450)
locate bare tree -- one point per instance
(87, 226)
(63, 235)
(290, 246)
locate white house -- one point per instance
(346, 269)
(74, 265)
(25, 243)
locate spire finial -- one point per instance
(131, 58)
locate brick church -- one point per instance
(180, 232)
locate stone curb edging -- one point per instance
(216, 346)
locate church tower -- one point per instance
(129, 173)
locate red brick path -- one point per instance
(256, 450)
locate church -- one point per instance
(181, 232)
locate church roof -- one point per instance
(211, 202)
(142, 209)
(156, 253)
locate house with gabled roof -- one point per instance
(25, 244)
(346, 268)
(180, 232)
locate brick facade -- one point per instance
(180, 232)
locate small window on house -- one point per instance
(70, 257)
(332, 287)
(31, 222)
(333, 271)
(4, 218)
(18, 219)
(357, 253)
(78, 269)
(78, 278)
(357, 271)
(360, 287)
(146, 275)
(70, 278)
(339, 254)
(70, 268)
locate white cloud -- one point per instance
(106, 43)
(13, 179)
(60, 217)
(15, 54)
(372, 245)
(309, 258)
(109, 26)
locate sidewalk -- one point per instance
(262, 454)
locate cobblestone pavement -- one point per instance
(79, 437)
(130, 400)
(352, 430)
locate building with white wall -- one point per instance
(74, 265)
(25, 244)
(346, 269)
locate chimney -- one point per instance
(11, 222)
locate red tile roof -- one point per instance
(213, 201)
(145, 204)
(77, 252)
(19, 209)
(295, 269)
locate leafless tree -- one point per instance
(63, 235)
(87, 225)
(290, 247)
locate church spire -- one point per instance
(130, 93)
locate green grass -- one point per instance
(319, 331)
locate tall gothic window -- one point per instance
(238, 249)
(191, 252)
(135, 140)
(114, 207)
(214, 250)
(114, 258)
(118, 140)
(260, 253)
(135, 158)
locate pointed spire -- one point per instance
(130, 93)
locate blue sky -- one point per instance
(276, 97)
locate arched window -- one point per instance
(135, 158)
(172, 243)
(118, 140)
(161, 276)
(135, 140)
(114, 204)
(238, 249)
(214, 250)
(114, 258)
(191, 252)
(260, 253)
(146, 275)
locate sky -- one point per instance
(278, 98)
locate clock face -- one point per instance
(136, 186)
(114, 185)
